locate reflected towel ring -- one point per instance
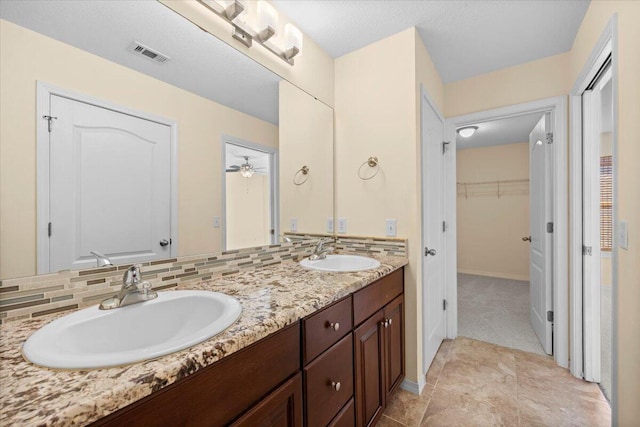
(372, 162)
(304, 170)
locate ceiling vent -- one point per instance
(146, 52)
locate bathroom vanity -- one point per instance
(310, 348)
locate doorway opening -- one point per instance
(545, 143)
(249, 196)
(503, 248)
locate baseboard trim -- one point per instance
(412, 386)
(494, 274)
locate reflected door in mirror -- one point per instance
(109, 186)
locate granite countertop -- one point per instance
(272, 298)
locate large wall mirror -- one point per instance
(127, 130)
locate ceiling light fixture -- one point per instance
(267, 23)
(246, 169)
(467, 131)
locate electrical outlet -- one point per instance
(329, 225)
(293, 225)
(623, 234)
(391, 227)
(216, 222)
(342, 225)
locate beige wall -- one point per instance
(313, 71)
(628, 184)
(377, 114)
(306, 139)
(248, 210)
(490, 229)
(539, 79)
(200, 125)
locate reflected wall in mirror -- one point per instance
(206, 89)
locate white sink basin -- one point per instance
(93, 338)
(341, 263)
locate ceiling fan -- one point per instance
(246, 169)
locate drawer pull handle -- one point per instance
(334, 326)
(336, 385)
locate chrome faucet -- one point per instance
(320, 251)
(133, 290)
(101, 260)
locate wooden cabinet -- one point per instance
(341, 376)
(282, 408)
(219, 393)
(379, 347)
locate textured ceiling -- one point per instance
(500, 132)
(463, 38)
(200, 63)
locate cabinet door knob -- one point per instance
(334, 326)
(336, 385)
(389, 321)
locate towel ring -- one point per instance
(304, 170)
(372, 162)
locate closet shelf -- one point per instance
(508, 187)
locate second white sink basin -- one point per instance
(341, 263)
(94, 338)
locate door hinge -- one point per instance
(444, 147)
(550, 138)
(49, 229)
(444, 305)
(170, 241)
(444, 226)
(550, 227)
(49, 120)
(586, 250)
(549, 316)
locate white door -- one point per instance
(540, 269)
(110, 188)
(591, 103)
(432, 231)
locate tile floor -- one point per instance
(473, 383)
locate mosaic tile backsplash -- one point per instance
(36, 296)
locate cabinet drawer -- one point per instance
(324, 397)
(323, 329)
(372, 298)
(346, 417)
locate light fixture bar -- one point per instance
(245, 34)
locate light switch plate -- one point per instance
(293, 225)
(216, 222)
(342, 225)
(391, 227)
(623, 234)
(329, 225)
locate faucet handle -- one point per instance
(133, 276)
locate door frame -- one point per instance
(557, 106)
(274, 197)
(448, 256)
(43, 94)
(607, 45)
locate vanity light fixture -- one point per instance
(467, 131)
(267, 22)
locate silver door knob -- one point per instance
(428, 251)
(336, 385)
(164, 242)
(334, 326)
(526, 239)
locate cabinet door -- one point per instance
(282, 408)
(369, 361)
(394, 344)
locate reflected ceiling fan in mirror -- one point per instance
(246, 169)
